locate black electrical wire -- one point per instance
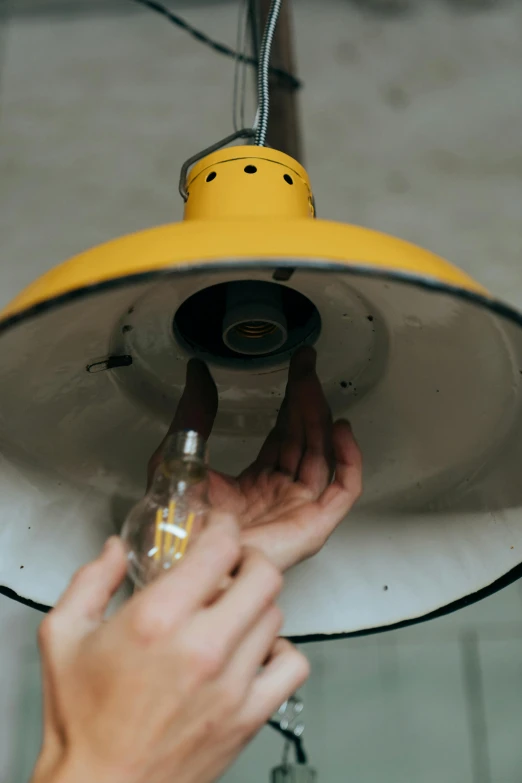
(297, 742)
(240, 70)
(219, 47)
(254, 18)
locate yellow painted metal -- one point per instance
(248, 182)
(246, 218)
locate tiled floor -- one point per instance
(412, 125)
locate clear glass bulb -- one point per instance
(161, 527)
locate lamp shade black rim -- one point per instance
(468, 600)
(427, 283)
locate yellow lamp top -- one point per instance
(258, 205)
(422, 360)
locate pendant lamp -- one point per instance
(422, 360)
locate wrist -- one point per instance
(72, 769)
(46, 766)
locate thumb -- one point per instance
(196, 409)
(198, 405)
(92, 587)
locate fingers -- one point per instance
(52, 738)
(198, 405)
(255, 648)
(315, 470)
(291, 419)
(252, 591)
(169, 600)
(302, 364)
(92, 587)
(268, 456)
(303, 532)
(283, 448)
(307, 398)
(196, 409)
(300, 445)
(286, 671)
(337, 499)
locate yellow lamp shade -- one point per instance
(425, 364)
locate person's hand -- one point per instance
(174, 684)
(286, 501)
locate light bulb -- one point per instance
(160, 528)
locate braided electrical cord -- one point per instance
(263, 73)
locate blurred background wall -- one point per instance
(412, 119)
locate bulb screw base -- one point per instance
(187, 444)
